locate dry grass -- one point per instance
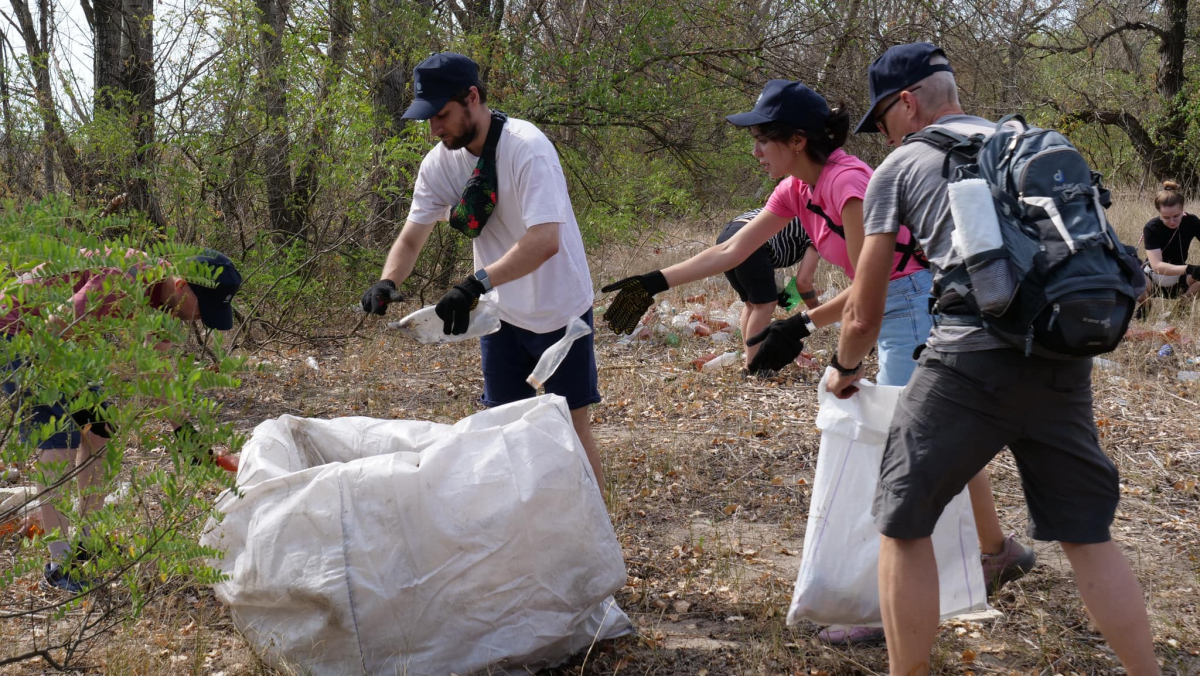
(708, 483)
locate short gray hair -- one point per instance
(939, 89)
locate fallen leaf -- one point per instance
(968, 656)
(777, 481)
(681, 606)
(730, 509)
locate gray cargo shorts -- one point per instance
(961, 409)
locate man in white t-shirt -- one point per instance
(498, 181)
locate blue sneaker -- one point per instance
(57, 577)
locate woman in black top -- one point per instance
(1168, 238)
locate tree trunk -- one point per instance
(281, 203)
(5, 110)
(107, 35)
(38, 50)
(341, 24)
(140, 83)
(395, 54)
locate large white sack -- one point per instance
(838, 581)
(401, 547)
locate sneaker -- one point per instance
(57, 577)
(1012, 562)
(842, 635)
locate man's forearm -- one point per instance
(863, 314)
(403, 254)
(538, 245)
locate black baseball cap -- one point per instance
(214, 295)
(788, 102)
(438, 79)
(895, 70)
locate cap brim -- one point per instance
(867, 124)
(214, 313)
(423, 109)
(748, 119)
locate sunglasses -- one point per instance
(879, 124)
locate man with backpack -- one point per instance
(1017, 374)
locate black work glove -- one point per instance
(636, 295)
(189, 444)
(1193, 271)
(455, 307)
(376, 298)
(782, 342)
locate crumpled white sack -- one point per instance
(379, 546)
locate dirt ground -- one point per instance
(709, 478)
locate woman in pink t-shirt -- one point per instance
(799, 139)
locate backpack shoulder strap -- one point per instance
(950, 143)
(908, 250)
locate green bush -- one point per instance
(146, 541)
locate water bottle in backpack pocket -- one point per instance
(1061, 284)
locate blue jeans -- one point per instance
(906, 325)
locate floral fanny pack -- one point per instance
(479, 196)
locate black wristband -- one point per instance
(833, 361)
(808, 295)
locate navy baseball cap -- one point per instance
(788, 102)
(214, 296)
(438, 79)
(895, 70)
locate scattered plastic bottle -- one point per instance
(1104, 364)
(1188, 375)
(727, 359)
(1165, 351)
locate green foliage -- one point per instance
(70, 352)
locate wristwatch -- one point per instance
(482, 275)
(842, 369)
(808, 323)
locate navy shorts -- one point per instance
(754, 278)
(510, 354)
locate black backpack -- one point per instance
(1063, 285)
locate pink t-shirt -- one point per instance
(92, 295)
(819, 209)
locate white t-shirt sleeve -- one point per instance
(542, 191)
(430, 201)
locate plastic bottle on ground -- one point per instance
(1166, 351)
(722, 361)
(1188, 375)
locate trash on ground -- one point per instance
(312, 363)
(1188, 375)
(723, 361)
(122, 492)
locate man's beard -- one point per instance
(458, 142)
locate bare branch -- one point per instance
(1092, 44)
